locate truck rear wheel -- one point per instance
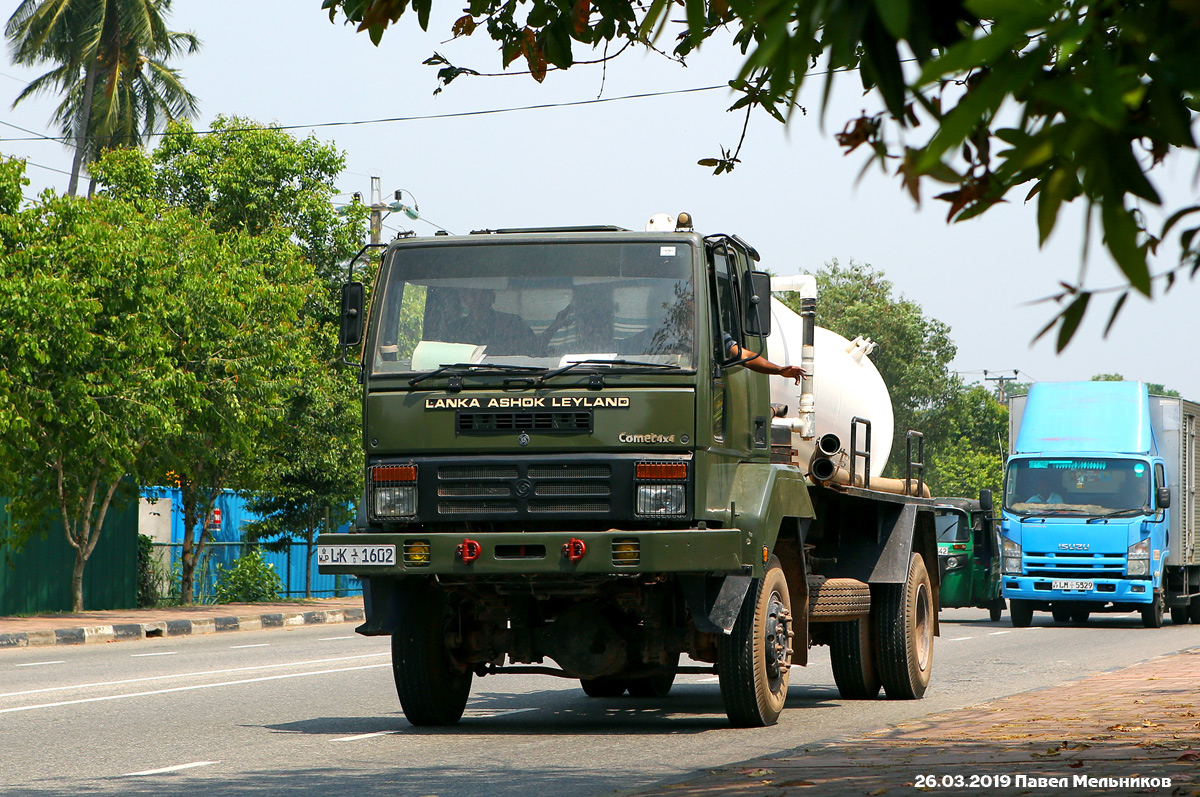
(852, 654)
(753, 661)
(1080, 615)
(432, 689)
(1152, 615)
(612, 687)
(1179, 615)
(1194, 610)
(1061, 613)
(1021, 612)
(904, 630)
(657, 685)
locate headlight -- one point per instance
(1139, 559)
(1012, 557)
(393, 490)
(395, 501)
(955, 562)
(661, 499)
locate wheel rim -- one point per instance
(779, 635)
(924, 627)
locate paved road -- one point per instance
(312, 711)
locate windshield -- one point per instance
(543, 305)
(1076, 486)
(951, 526)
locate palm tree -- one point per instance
(110, 68)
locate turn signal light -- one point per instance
(416, 552)
(661, 471)
(394, 473)
(626, 551)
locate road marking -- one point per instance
(486, 713)
(175, 768)
(331, 638)
(39, 663)
(191, 688)
(259, 645)
(363, 736)
(192, 674)
(163, 653)
(997, 633)
(712, 679)
(959, 638)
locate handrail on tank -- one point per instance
(918, 463)
(865, 453)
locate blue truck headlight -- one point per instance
(1012, 557)
(661, 499)
(1139, 559)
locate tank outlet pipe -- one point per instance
(829, 444)
(806, 286)
(825, 471)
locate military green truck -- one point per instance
(969, 554)
(567, 460)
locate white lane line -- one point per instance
(363, 736)
(190, 688)
(175, 768)
(710, 680)
(959, 638)
(192, 674)
(39, 663)
(487, 713)
(163, 653)
(998, 633)
(259, 645)
(331, 638)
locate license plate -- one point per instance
(379, 555)
(1084, 585)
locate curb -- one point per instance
(86, 635)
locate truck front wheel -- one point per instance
(904, 631)
(432, 689)
(1021, 612)
(1152, 615)
(852, 654)
(754, 660)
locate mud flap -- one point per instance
(714, 601)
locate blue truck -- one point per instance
(1099, 511)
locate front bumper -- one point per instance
(717, 551)
(1110, 590)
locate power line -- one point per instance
(40, 136)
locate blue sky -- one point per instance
(795, 197)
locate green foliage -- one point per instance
(1099, 94)
(248, 580)
(150, 575)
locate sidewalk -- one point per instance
(1130, 730)
(115, 626)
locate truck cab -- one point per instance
(568, 460)
(969, 554)
(1088, 523)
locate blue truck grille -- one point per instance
(1075, 565)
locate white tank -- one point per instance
(846, 385)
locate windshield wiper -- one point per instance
(1132, 512)
(577, 363)
(473, 368)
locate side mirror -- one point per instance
(1162, 497)
(985, 500)
(758, 303)
(350, 332)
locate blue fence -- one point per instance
(225, 528)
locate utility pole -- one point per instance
(377, 209)
(1000, 380)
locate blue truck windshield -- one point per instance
(542, 305)
(1076, 486)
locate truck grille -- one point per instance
(1075, 565)
(504, 422)
(544, 489)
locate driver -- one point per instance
(1044, 492)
